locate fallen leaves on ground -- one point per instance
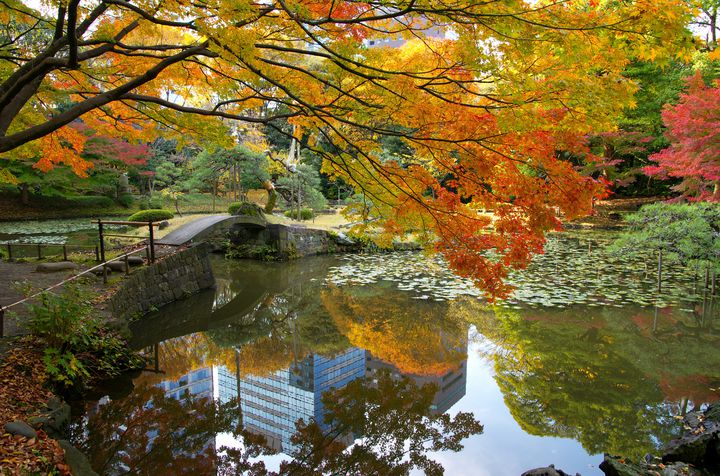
(22, 375)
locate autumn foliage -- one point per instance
(485, 94)
(693, 128)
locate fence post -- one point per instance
(39, 251)
(9, 247)
(64, 252)
(152, 243)
(102, 241)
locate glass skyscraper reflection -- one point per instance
(272, 405)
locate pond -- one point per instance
(585, 358)
(77, 231)
(70, 231)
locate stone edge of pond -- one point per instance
(695, 453)
(173, 277)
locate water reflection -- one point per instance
(612, 380)
(286, 358)
(323, 413)
(273, 372)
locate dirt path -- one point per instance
(14, 279)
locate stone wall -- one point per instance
(296, 242)
(283, 242)
(176, 276)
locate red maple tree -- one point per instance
(694, 133)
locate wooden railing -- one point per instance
(40, 246)
(148, 247)
(124, 257)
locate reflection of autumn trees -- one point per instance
(148, 433)
(182, 355)
(284, 327)
(580, 375)
(418, 337)
(393, 417)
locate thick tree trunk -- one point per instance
(272, 196)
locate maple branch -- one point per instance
(203, 112)
(72, 34)
(147, 16)
(39, 67)
(59, 24)
(15, 140)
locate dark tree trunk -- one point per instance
(24, 194)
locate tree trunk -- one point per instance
(272, 196)
(659, 272)
(299, 198)
(214, 194)
(24, 195)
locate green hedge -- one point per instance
(305, 214)
(126, 200)
(151, 215)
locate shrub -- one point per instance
(78, 349)
(305, 214)
(259, 252)
(144, 204)
(245, 208)
(126, 200)
(151, 215)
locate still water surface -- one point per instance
(586, 358)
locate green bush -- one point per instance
(245, 208)
(305, 213)
(150, 204)
(126, 200)
(151, 215)
(259, 252)
(79, 349)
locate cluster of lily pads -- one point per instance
(576, 269)
(56, 232)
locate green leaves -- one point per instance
(687, 233)
(78, 349)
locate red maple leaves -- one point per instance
(694, 132)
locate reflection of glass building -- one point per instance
(272, 405)
(198, 383)
(451, 385)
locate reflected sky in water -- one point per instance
(584, 359)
